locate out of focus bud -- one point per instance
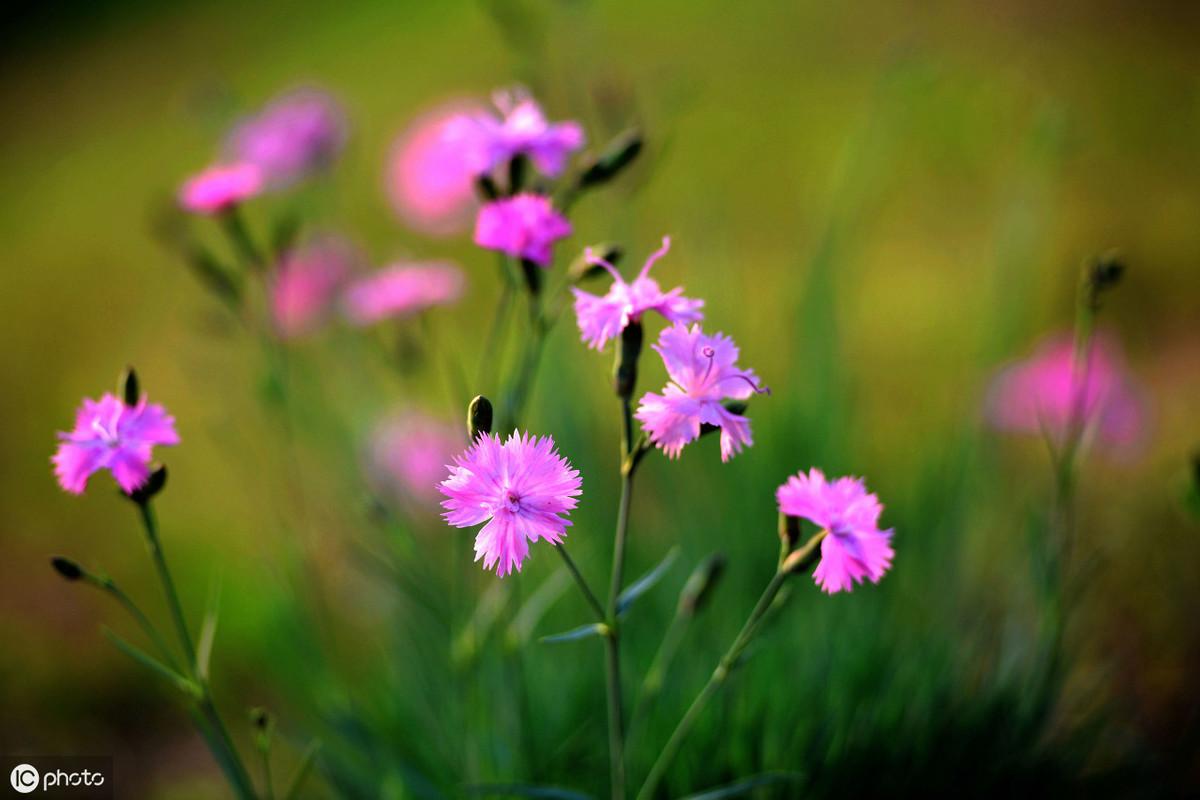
(700, 584)
(264, 727)
(625, 369)
(479, 417)
(1099, 276)
(153, 485)
(67, 568)
(582, 269)
(517, 167)
(801, 560)
(127, 387)
(615, 156)
(789, 532)
(487, 187)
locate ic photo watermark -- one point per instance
(59, 776)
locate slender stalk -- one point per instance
(214, 730)
(715, 682)
(588, 594)
(107, 585)
(239, 236)
(652, 683)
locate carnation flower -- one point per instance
(220, 188)
(305, 285)
(402, 290)
(296, 134)
(486, 140)
(522, 488)
(1045, 393)
(409, 453)
(111, 435)
(523, 226)
(704, 372)
(603, 318)
(431, 185)
(854, 548)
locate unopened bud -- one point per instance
(1099, 276)
(67, 568)
(615, 156)
(127, 387)
(479, 417)
(153, 485)
(533, 276)
(517, 167)
(582, 269)
(789, 532)
(701, 583)
(486, 188)
(625, 369)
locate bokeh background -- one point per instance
(882, 202)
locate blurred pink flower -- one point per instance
(430, 183)
(523, 226)
(521, 487)
(704, 372)
(855, 547)
(305, 285)
(603, 318)
(111, 435)
(402, 290)
(487, 140)
(410, 451)
(220, 188)
(295, 134)
(1043, 393)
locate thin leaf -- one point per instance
(151, 663)
(575, 634)
(521, 629)
(646, 582)
(743, 786)
(301, 774)
(208, 630)
(526, 790)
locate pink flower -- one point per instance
(1043, 393)
(296, 134)
(487, 141)
(111, 435)
(603, 318)
(854, 548)
(410, 452)
(402, 290)
(704, 372)
(523, 226)
(430, 183)
(305, 285)
(522, 488)
(220, 188)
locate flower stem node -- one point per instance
(153, 485)
(625, 369)
(479, 417)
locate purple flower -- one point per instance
(522, 488)
(409, 453)
(402, 290)
(704, 372)
(111, 435)
(1045, 392)
(296, 134)
(603, 318)
(523, 226)
(305, 285)
(220, 188)
(854, 547)
(430, 184)
(487, 140)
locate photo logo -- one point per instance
(24, 778)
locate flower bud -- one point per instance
(582, 269)
(1099, 276)
(127, 387)
(800, 560)
(789, 532)
(67, 568)
(486, 188)
(517, 167)
(533, 276)
(700, 584)
(479, 417)
(615, 156)
(625, 369)
(153, 485)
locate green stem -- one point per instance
(715, 682)
(160, 563)
(106, 584)
(652, 683)
(239, 236)
(588, 594)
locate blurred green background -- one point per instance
(882, 202)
